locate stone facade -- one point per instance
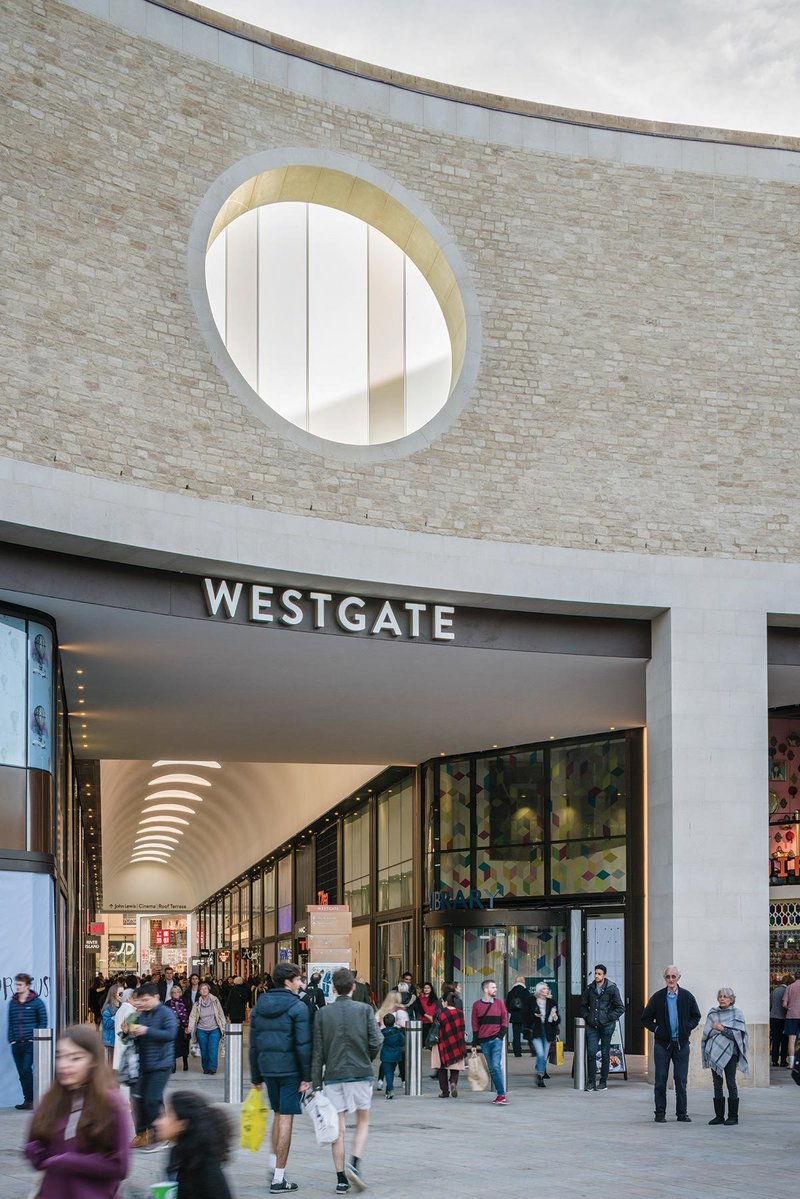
(638, 372)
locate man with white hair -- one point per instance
(671, 1015)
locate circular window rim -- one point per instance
(298, 156)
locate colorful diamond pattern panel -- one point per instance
(500, 877)
(454, 806)
(588, 867)
(587, 789)
(510, 795)
(454, 871)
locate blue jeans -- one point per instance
(493, 1052)
(542, 1049)
(22, 1052)
(598, 1038)
(208, 1040)
(388, 1074)
(679, 1056)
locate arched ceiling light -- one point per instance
(163, 828)
(169, 807)
(137, 861)
(185, 762)
(147, 846)
(151, 853)
(166, 779)
(158, 837)
(174, 793)
(164, 820)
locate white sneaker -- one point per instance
(379, 1085)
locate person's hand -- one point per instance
(257, 1086)
(304, 1086)
(138, 1030)
(718, 1027)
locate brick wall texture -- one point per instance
(638, 385)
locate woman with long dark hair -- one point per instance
(201, 1142)
(80, 1133)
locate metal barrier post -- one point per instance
(42, 1062)
(233, 1064)
(579, 1058)
(414, 1057)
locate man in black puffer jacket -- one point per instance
(280, 1055)
(601, 1008)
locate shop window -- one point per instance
(455, 872)
(588, 867)
(454, 805)
(244, 902)
(268, 882)
(285, 894)
(357, 862)
(588, 790)
(395, 953)
(395, 847)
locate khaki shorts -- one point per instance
(350, 1096)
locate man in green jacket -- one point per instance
(346, 1041)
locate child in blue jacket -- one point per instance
(393, 1050)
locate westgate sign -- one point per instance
(322, 611)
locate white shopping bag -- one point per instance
(324, 1117)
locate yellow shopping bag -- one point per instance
(254, 1121)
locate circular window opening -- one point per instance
(335, 305)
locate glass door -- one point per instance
(395, 953)
(504, 954)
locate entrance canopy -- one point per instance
(297, 692)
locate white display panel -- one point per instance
(13, 688)
(27, 945)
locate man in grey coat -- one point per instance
(346, 1041)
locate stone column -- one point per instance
(707, 884)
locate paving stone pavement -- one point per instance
(555, 1140)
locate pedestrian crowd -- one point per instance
(308, 1049)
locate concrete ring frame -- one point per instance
(205, 218)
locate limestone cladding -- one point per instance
(637, 387)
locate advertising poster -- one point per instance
(617, 1064)
(26, 946)
(40, 697)
(12, 691)
(327, 970)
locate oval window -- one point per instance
(350, 328)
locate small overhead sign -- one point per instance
(91, 944)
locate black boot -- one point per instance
(719, 1112)
(733, 1111)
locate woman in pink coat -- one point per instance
(79, 1135)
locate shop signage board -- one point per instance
(322, 611)
(91, 944)
(474, 900)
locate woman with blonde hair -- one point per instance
(80, 1132)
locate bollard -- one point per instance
(579, 1057)
(233, 1064)
(42, 1062)
(414, 1057)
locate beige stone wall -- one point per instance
(638, 385)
